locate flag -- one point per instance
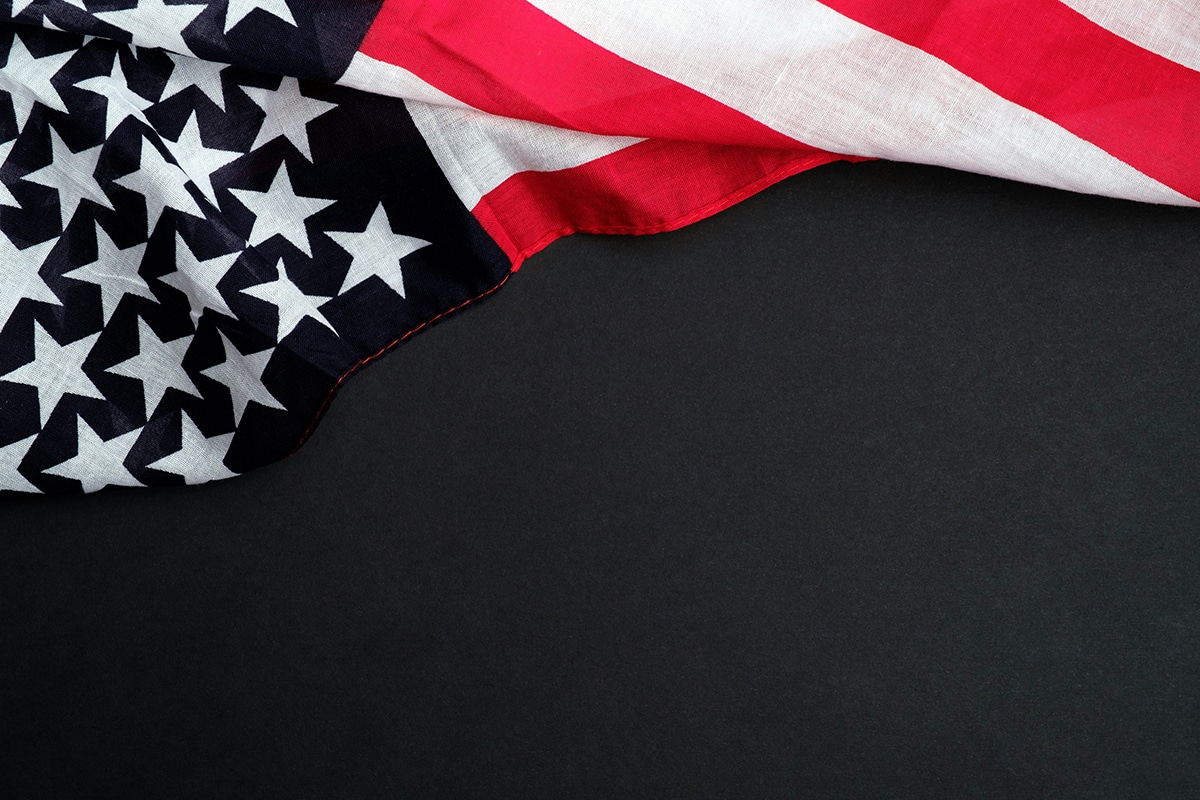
(214, 212)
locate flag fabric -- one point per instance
(212, 212)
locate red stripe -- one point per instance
(508, 58)
(649, 187)
(1140, 107)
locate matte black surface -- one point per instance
(882, 484)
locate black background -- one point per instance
(883, 484)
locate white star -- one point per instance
(11, 456)
(98, 463)
(27, 79)
(199, 458)
(280, 211)
(6, 196)
(153, 23)
(198, 161)
(243, 375)
(73, 175)
(293, 304)
(376, 251)
(19, 276)
(238, 9)
(204, 75)
(288, 114)
(56, 370)
(198, 279)
(115, 271)
(162, 183)
(122, 100)
(19, 6)
(158, 365)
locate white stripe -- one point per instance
(1170, 28)
(811, 73)
(479, 151)
(379, 77)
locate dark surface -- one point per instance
(881, 484)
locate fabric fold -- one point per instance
(213, 212)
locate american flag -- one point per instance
(213, 213)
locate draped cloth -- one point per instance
(213, 213)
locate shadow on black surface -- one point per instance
(880, 484)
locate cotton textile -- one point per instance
(212, 213)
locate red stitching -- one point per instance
(383, 351)
(730, 199)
